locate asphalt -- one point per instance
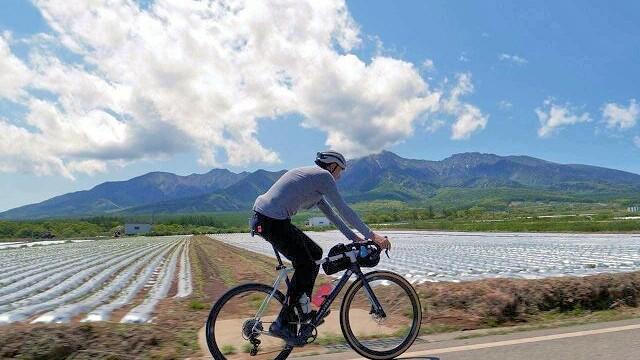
(608, 340)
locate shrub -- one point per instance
(228, 349)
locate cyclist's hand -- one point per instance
(382, 241)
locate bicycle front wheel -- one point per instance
(377, 337)
(232, 324)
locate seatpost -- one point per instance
(280, 264)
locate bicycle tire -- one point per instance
(215, 310)
(412, 334)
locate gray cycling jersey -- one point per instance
(303, 188)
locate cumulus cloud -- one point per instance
(469, 118)
(180, 75)
(515, 59)
(14, 74)
(619, 116)
(554, 117)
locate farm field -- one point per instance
(93, 280)
(57, 328)
(426, 256)
(125, 324)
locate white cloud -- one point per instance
(180, 75)
(505, 105)
(364, 107)
(636, 140)
(515, 59)
(469, 121)
(555, 117)
(434, 125)
(469, 118)
(14, 74)
(428, 65)
(463, 57)
(618, 116)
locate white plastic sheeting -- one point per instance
(35, 243)
(103, 312)
(26, 262)
(142, 313)
(64, 313)
(72, 288)
(453, 256)
(52, 275)
(98, 277)
(184, 277)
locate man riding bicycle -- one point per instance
(305, 187)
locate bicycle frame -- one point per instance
(354, 268)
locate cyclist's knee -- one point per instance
(316, 252)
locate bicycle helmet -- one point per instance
(328, 157)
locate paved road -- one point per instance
(611, 340)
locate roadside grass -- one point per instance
(247, 347)
(228, 349)
(196, 305)
(555, 319)
(330, 339)
(437, 328)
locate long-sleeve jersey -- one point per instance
(305, 187)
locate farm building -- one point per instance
(634, 208)
(136, 229)
(318, 221)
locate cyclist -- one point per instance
(305, 187)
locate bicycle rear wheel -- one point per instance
(376, 337)
(231, 324)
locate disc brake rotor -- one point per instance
(251, 328)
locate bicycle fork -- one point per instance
(376, 308)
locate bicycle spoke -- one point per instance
(382, 336)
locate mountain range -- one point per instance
(461, 180)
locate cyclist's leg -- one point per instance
(302, 252)
(308, 252)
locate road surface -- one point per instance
(610, 340)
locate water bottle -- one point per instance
(364, 251)
(321, 294)
(304, 303)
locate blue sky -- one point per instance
(571, 64)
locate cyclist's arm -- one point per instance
(332, 194)
(336, 220)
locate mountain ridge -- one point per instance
(381, 176)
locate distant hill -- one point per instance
(461, 179)
(112, 197)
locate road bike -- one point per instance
(379, 316)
